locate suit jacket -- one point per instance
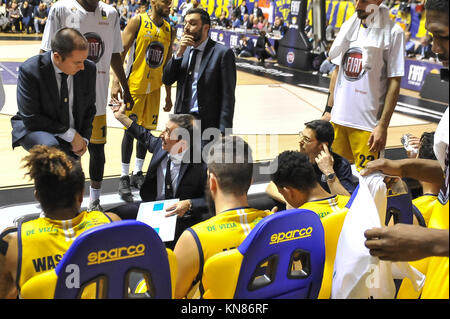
(191, 178)
(39, 103)
(215, 87)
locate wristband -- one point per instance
(327, 109)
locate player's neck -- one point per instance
(157, 19)
(318, 193)
(225, 202)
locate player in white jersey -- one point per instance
(99, 23)
(363, 96)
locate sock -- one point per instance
(125, 169)
(94, 194)
(138, 165)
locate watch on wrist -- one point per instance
(328, 177)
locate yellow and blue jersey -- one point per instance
(147, 56)
(326, 206)
(42, 242)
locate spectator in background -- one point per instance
(243, 9)
(173, 17)
(278, 25)
(410, 46)
(4, 21)
(27, 16)
(123, 18)
(247, 22)
(257, 12)
(40, 17)
(329, 32)
(185, 6)
(196, 4)
(15, 17)
(423, 51)
(235, 21)
(132, 7)
(223, 21)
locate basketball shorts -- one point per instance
(99, 130)
(351, 143)
(146, 109)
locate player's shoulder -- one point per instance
(395, 28)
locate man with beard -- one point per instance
(172, 173)
(100, 24)
(365, 85)
(411, 242)
(205, 72)
(148, 37)
(230, 169)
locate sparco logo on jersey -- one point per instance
(154, 54)
(353, 70)
(96, 46)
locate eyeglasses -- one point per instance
(304, 139)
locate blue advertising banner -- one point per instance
(416, 72)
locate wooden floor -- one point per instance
(268, 114)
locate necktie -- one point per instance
(188, 83)
(168, 181)
(64, 96)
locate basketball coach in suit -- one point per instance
(172, 172)
(56, 96)
(205, 72)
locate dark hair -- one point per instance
(204, 16)
(67, 40)
(426, 146)
(294, 170)
(437, 5)
(184, 121)
(323, 129)
(57, 176)
(230, 160)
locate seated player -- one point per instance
(296, 181)
(38, 243)
(426, 202)
(229, 178)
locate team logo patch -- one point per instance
(290, 57)
(96, 46)
(154, 54)
(353, 70)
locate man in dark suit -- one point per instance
(173, 153)
(205, 88)
(56, 96)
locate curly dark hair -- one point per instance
(294, 170)
(57, 176)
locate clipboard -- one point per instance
(153, 214)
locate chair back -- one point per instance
(283, 257)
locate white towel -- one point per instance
(378, 36)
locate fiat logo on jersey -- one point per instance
(96, 46)
(353, 70)
(154, 54)
(290, 57)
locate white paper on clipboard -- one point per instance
(154, 215)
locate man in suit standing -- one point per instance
(172, 172)
(205, 72)
(56, 96)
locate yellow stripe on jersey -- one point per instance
(43, 241)
(326, 206)
(148, 56)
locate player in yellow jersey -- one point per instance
(296, 181)
(228, 184)
(411, 242)
(148, 37)
(38, 243)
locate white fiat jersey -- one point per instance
(359, 94)
(101, 28)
